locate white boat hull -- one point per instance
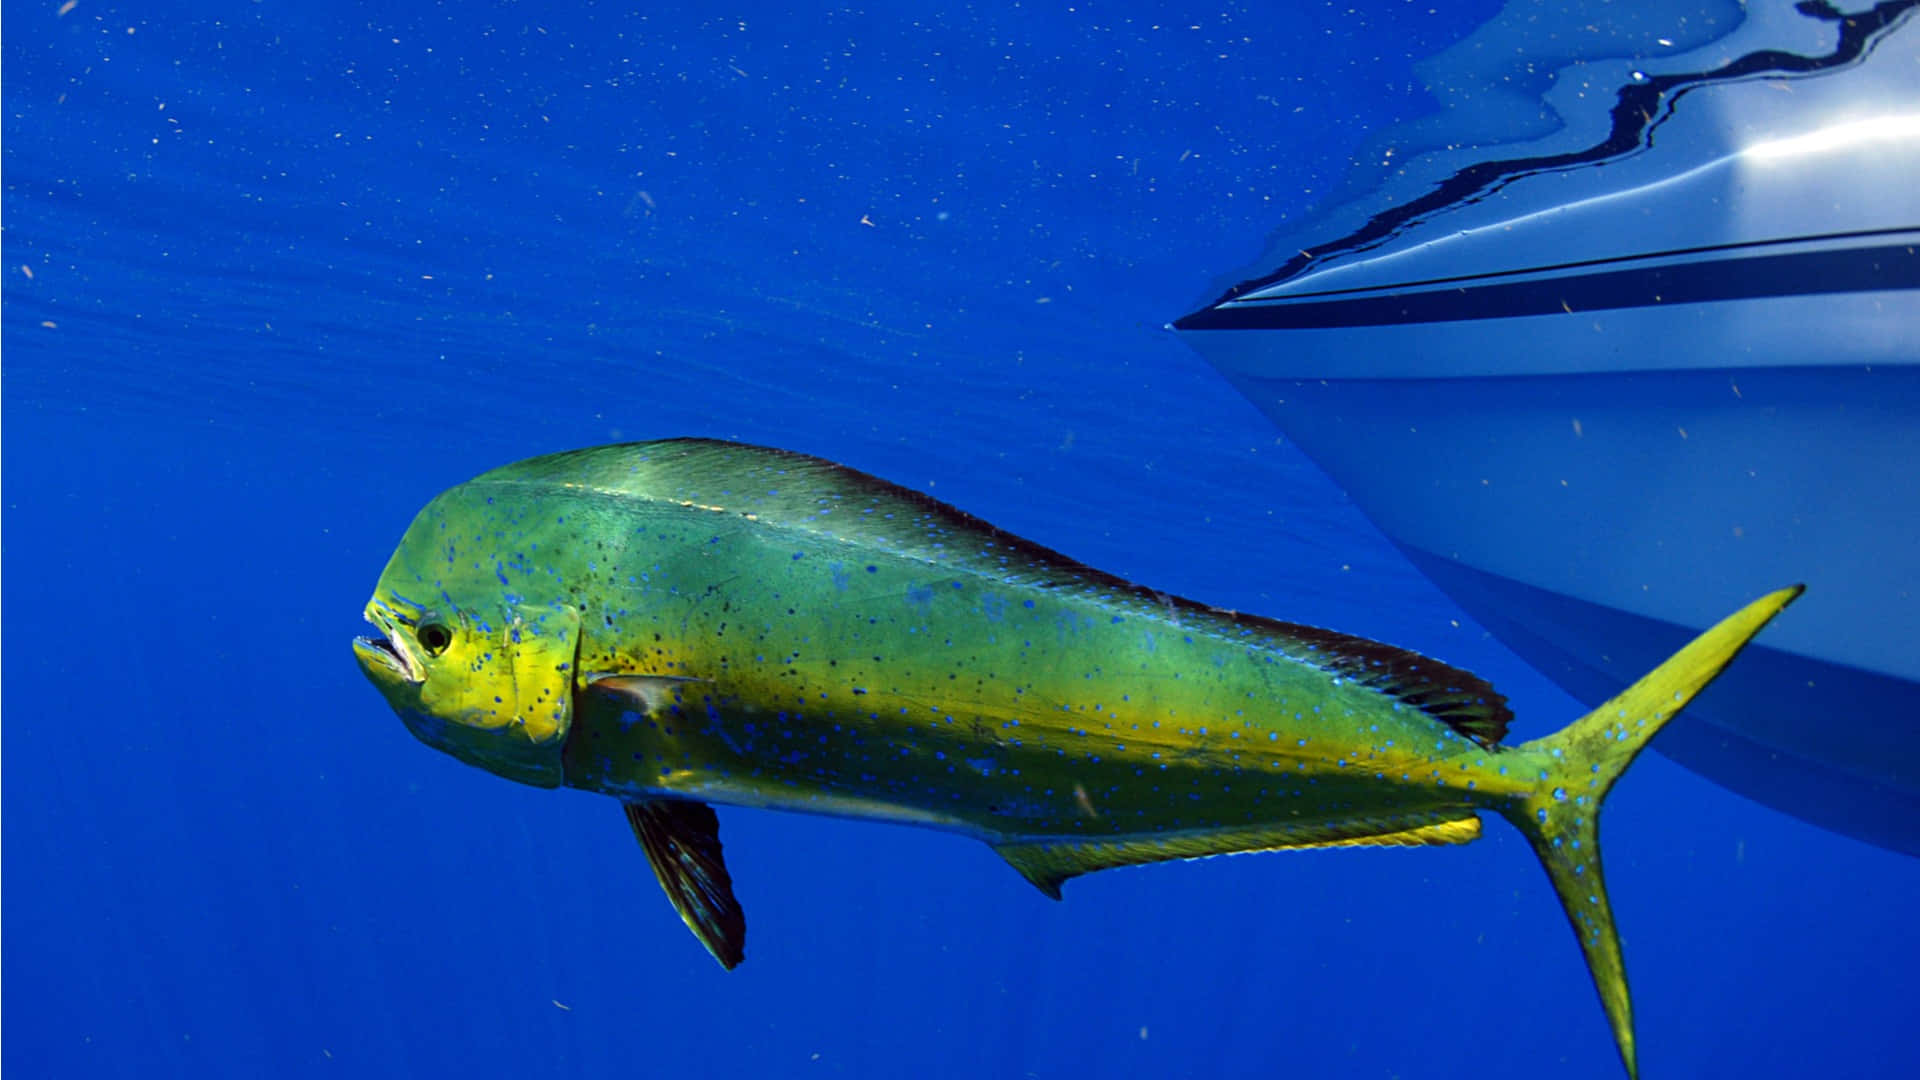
(1602, 398)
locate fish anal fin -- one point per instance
(682, 841)
(1049, 863)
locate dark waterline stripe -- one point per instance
(1465, 280)
(1808, 273)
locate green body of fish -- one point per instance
(689, 622)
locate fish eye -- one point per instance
(434, 637)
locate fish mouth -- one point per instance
(386, 650)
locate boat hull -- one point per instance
(1601, 384)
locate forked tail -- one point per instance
(1581, 762)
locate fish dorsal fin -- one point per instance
(682, 841)
(784, 490)
(1049, 863)
(1459, 699)
(802, 494)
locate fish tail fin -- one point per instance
(1580, 763)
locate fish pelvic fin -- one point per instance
(682, 842)
(1580, 764)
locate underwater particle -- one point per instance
(1084, 801)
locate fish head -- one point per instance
(472, 670)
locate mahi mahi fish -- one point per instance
(689, 622)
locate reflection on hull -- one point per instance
(1595, 521)
(1590, 648)
(1599, 405)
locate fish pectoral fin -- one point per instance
(682, 841)
(644, 694)
(1049, 863)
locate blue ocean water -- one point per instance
(275, 275)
